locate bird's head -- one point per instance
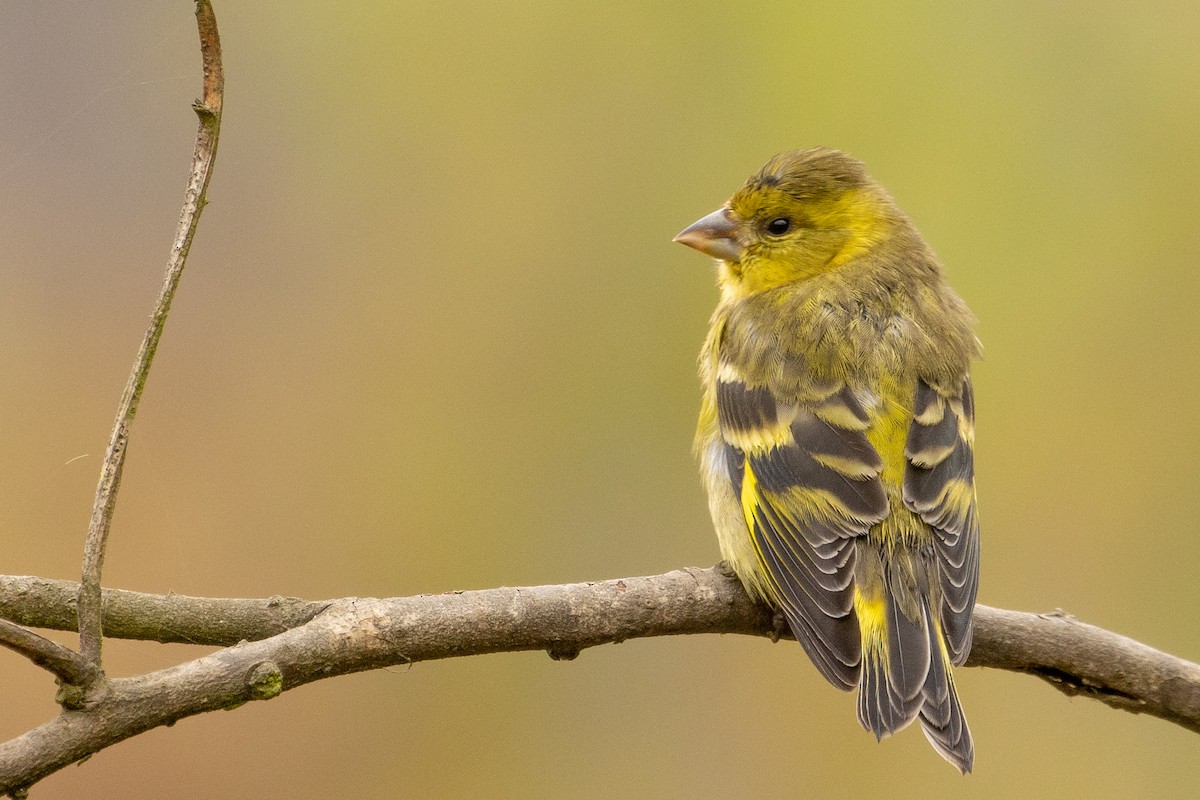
(803, 214)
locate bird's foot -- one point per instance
(779, 625)
(725, 568)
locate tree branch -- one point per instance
(62, 662)
(209, 111)
(355, 634)
(277, 644)
(169, 618)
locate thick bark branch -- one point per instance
(355, 634)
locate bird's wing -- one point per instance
(939, 485)
(808, 482)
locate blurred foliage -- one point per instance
(434, 335)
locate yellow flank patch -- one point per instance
(871, 607)
(749, 493)
(901, 529)
(889, 436)
(761, 579)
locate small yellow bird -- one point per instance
(836, 435)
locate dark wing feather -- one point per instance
(939, 485)
(809, 483)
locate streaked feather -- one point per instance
(939, 485)
(810, 490)
(804, 500)
(836, 436)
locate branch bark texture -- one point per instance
(335, 637)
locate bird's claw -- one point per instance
(779, 625)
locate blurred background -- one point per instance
(434, 335)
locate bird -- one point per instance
(836, 435)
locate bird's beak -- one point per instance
(715, 235)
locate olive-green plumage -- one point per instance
(836, 435)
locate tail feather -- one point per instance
(894, 672)
(906, 675)
(951, 739)
(876, 711)
(941, 715)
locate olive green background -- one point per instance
(434, 335)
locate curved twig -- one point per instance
(355, 634)
(209, 111)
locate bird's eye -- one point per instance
(779, 226)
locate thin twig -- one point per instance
(357, 634)
(209, 111)
(62, 662)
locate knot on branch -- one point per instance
(202, 110)
(81, 696)
(265, 681)
(564, 651)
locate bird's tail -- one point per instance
(906, 672)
